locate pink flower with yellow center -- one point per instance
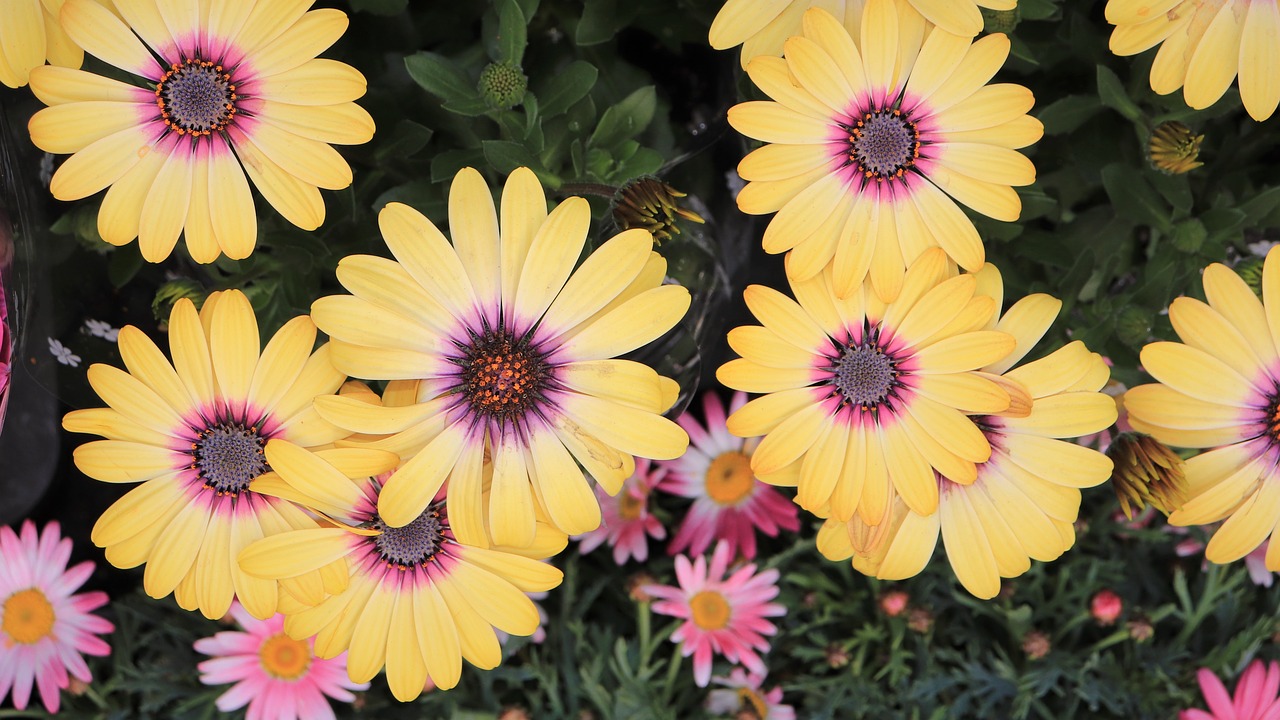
(626, 522)
(744, 693)
(1255, 697)
(729, 502)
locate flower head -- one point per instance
(514, 353)
(44, 629)
(1204, 44)
(722, 615)
(1174, 149)
(729, 502)
(1220, 388)
(649, 203)
(1146, 473)
(745, 692)
(868, 152)
(279, 678)
(237, 90)
(192, 432)
(502, 85)
(626, 521)
(1255, 697)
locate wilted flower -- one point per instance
(502, 85)
(1174, 149)
(1146, 472)
(649, 203)
(1140, 629)
(1105, 607)
(1036, 644)
(837, 656)
(920, 620)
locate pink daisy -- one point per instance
(729, 502)
(626, 522)
(744, 695)
(43, 627)
(279, 678)
(1255, 695)
(725, 616)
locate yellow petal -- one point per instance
(551, 257)
(968, 548)
(1248, 526)
(297, 201)
(315, 82)
(1215, 61)
(1259, 58)
(773, 122)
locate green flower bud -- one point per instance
(502, 85)
(1000, 21)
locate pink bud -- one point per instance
(894, 602)
(1105, 607)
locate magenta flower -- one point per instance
(729, 502)
(279, 678)
(1255, 695)
(744, 695)
(626, 523)
(723, 616)
(43, 627)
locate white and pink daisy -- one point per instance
(1255, 697)
(729, 502)
(44, 629)
(279, 678)
(744, 695)
(724, 616)
(626, 521)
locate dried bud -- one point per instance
(837, 656)
(894, 602)
(359, 702)
(920, 620)
(649, 203)
(1105, 607)
(1146, 472)
(809, 600)
(1140, 629)
(1173, 149)
(77, 687)
(1000, 21)
(514, 712)
(1036, 644)
(502, 85)
(636, 587)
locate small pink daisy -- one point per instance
(729, 502)
(625, 517)
(279, 678)
(43, 627)
(1255, 695)
(725, 616)
(745, 696)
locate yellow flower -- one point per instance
(236, 91)
(868, 149)
(1174, 149)
(761, 27)
(31, 34)
(1220, 388)
(193, 432)
(1025, 497)
(863, 399)
(418, 601)
(1146, 473)
(515, 353)
(1204, 44)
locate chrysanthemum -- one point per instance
(724, 616)
(1220, 388)
(626, 520)
(279, 678)
(223, 89)
(192, 432)
(1204, 44)
(863, 399)
(32, 34)
(515, 352)
(43, 627)
(761, 27)
(1024, 499)
(729, 502)
(418, 601)
(870, 149)
(1255, 697)
(745, 692)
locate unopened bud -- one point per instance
(894, 602)
(920, 620)
(1174, 149)
(502, 85)
(649, 203)
(1036, 644)
(1146, 472)
(1105, 607)
(1000, 21)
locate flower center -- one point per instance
(284, 658)
(502, 377)
(884, 143)
(196, 97)
(710, 610)
(750, 701)
(729, 479)
(228, 456)
(630, 506)
(414, 544)
(864, 374)
(28, 617)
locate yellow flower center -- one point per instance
(284, 658)
(710, 609)
(630, 506)
(196, 97)
(729, 479)
(28, 617)
(750, 701)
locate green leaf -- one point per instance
(1223, 223)
(1262, 206)
(447, 164)
(1114, 96)
(407, 138)
(442, 77)
(506, 156)
(626, 119)
(513, 29)
(1065, 115)
(602, 19)
(1133, 197)
(1176, 189)
(566, 87)
(124, 264)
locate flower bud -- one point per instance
(649, 203)
(894, 602)
(1105, 607)
(1140, 629)
(502, 85)
(1146, 472)
(920, 620)
(1000, 21)
(1036, 644)
(1174, 149)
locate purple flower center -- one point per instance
(196, 97)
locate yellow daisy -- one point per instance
(1025, 499)
(193, 432)
(864, 399)
(514, 352)
(418, 600)
(870, 150)
(30, 35)
(1204, 44)
(761, 27)
(1220, 388)
(224, 89)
